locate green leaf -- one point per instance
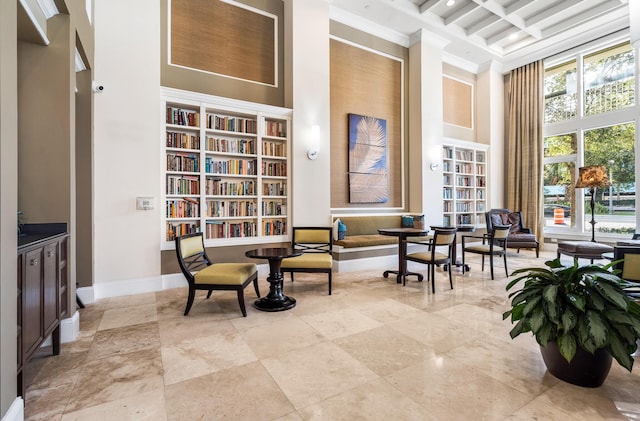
(613, 294)
(545, 334)
(621, 352)
(595, 301)
(569, 320)
(531, 304)
(578, 301)
(567, 346)
(597, 328)
(520, 327)
(537, 320)
(549, 294)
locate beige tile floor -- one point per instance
(374, 350)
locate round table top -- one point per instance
(409, 232)
(273, 253)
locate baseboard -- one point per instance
(380, 262)
(15, 411)
(89, 295)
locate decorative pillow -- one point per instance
(496, 219)
(342, 230)
(336, 225)
(418, 222)
(407, 221)
(514, 220)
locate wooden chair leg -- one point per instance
(190, 297)
(505, 264)
(329, 283)
(450, 278)
(491, 264)
(241, 302)
(209, 293)
(433, 278)
(255, 286)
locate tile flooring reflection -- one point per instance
(374, 350)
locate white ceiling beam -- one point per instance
(579, 18)
(516, 6)
(551, 11)
(460, 13)
(482, 24)
(424, 7)
(494, 39)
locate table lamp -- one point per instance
(592, 177)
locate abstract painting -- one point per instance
(368, 177)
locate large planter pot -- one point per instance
(585, 369)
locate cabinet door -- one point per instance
(32, 329)
(50, 287)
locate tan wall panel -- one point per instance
(222, 38)
(457, 102)
(369, 84)
(217, 84)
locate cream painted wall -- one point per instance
(126, 140)
(9, 200)
(307, 89)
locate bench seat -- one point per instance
(366, 240)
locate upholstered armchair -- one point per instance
(519, 236)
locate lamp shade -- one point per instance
(592, 176)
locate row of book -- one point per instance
(464, 168)
(185, 208)
(231, 208)
(183, 140)
(224, 229)
(183, 162)
(275, 128)
(463, 207)
(232, 166)
(464, 181)
(278, 149)
(274, 169)
(176, 229)
(240, 146)
(232, 124)
(463, 219)
(216, 187)
(182, 184)
(273, 208)
(183, 117)
(274, 189)
(274, 228)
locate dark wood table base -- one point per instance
(275, 300)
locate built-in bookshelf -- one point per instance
(227, 169)
(464, 191)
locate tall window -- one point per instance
(590, 118)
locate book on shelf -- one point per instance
(183, 117)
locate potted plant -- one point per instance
(580, 317)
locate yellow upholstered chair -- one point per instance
(628, 258)
(317, 246)
(494, 243)
(203, 274)
(440, 250)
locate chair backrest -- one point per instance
(444, 236)
(191, 254)
(312, 239)
(630, 264)
(499, 235)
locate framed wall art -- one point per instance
(368, 176)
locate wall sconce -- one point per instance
(434, 166)
(314, 142)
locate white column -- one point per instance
(490, 129)
(425, 126)
(307, 88)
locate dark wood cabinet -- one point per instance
(42, 290)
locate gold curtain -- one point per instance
(524, 145)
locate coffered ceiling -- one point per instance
(479, 32)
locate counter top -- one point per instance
(32, 234)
